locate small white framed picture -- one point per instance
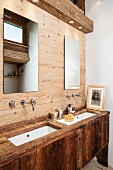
(96, 97)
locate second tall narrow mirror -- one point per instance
(72, 63)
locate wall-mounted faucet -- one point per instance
(33, 103)
(12, 104)
(76, 95)
(68, 96)
(73, 95)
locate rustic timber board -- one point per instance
(66, 11)
(15, 52)
(9, 152)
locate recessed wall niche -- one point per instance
(20, 54)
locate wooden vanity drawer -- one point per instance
(14, 165)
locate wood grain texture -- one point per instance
(51, 156)
(74, 150)
(67, 143)
(46, 157)
(86, 144)
(14, 52)
(66, 11)
(51, 92)
(28, 162)
(11, 166)
(102, 156)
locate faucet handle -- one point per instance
(57, 109)
(22, 102)
(33, 101)
(78, 95)
(68, 96)
(12, 104)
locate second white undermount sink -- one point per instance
(77, 118)
(31, 135)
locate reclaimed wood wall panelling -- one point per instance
(51, 92)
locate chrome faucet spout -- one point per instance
(33, 103)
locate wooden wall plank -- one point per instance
(66, 11)
(51, 92)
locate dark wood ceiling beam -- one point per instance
(66, 11)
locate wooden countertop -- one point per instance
(9, 152)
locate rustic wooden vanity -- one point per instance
(69, 148)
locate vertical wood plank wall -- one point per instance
(51, 92)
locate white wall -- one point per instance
(28, 80)
(99, 54)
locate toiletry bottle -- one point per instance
(69, 108)
(66, 111)
(60, 112)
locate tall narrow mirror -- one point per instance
(20, 54)
(72, 63)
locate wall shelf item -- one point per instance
(67, 12)
(11, 76)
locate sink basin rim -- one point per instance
(32, 135)
(78, 118)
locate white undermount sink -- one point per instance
(77, 118)
(31, 135)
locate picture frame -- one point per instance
(96, 97)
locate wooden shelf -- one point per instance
(15, 53)
(66, 11)
(15, 44)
